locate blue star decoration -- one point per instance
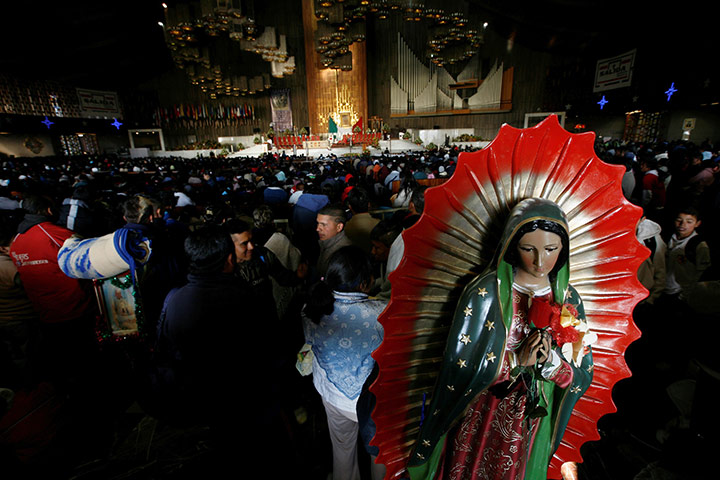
(669, 92)
(116, 124)
(602, 102)
(47, 122)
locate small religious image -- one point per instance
(118, 304)
(344, 119)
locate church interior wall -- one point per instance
(706, 125)
(14, 145)
(541, 82)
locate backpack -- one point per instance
(691, 248)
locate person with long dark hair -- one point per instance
(402, 198)
(340, 323)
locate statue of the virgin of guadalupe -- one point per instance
(517, 358)
(510, 313)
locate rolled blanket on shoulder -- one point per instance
(106, 256)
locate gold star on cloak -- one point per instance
(482, 292)
(426, 443)
(590, 367)
(491, 357)
(462, 363)
(489, 325)
(464, 338)
(451, 388)
(575, 389)
(468, 311)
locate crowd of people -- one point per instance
(677, 185)
(239, 246)
(252, 258)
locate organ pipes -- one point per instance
(413, 76)
(422, 89)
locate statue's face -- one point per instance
(538, 252)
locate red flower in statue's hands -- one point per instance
(542, 312)
(559, 321)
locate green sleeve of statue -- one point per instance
(472, 360)
(560, 404)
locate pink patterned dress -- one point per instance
(492, 441)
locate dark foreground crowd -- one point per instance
(237, 246)
(251, 258)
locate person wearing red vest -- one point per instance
(56, 297)
(66, 306)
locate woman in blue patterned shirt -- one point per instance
(340, 323)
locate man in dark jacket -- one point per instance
(199, 318)
(217, 344)
(256, 265)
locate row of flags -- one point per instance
(204, 112)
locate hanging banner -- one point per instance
(96, 103)
(614, 72)
(281, 111)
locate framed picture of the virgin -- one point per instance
(120, 306)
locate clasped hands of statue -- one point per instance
(530, 358)
(535, 349)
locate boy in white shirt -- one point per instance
(688, 255)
